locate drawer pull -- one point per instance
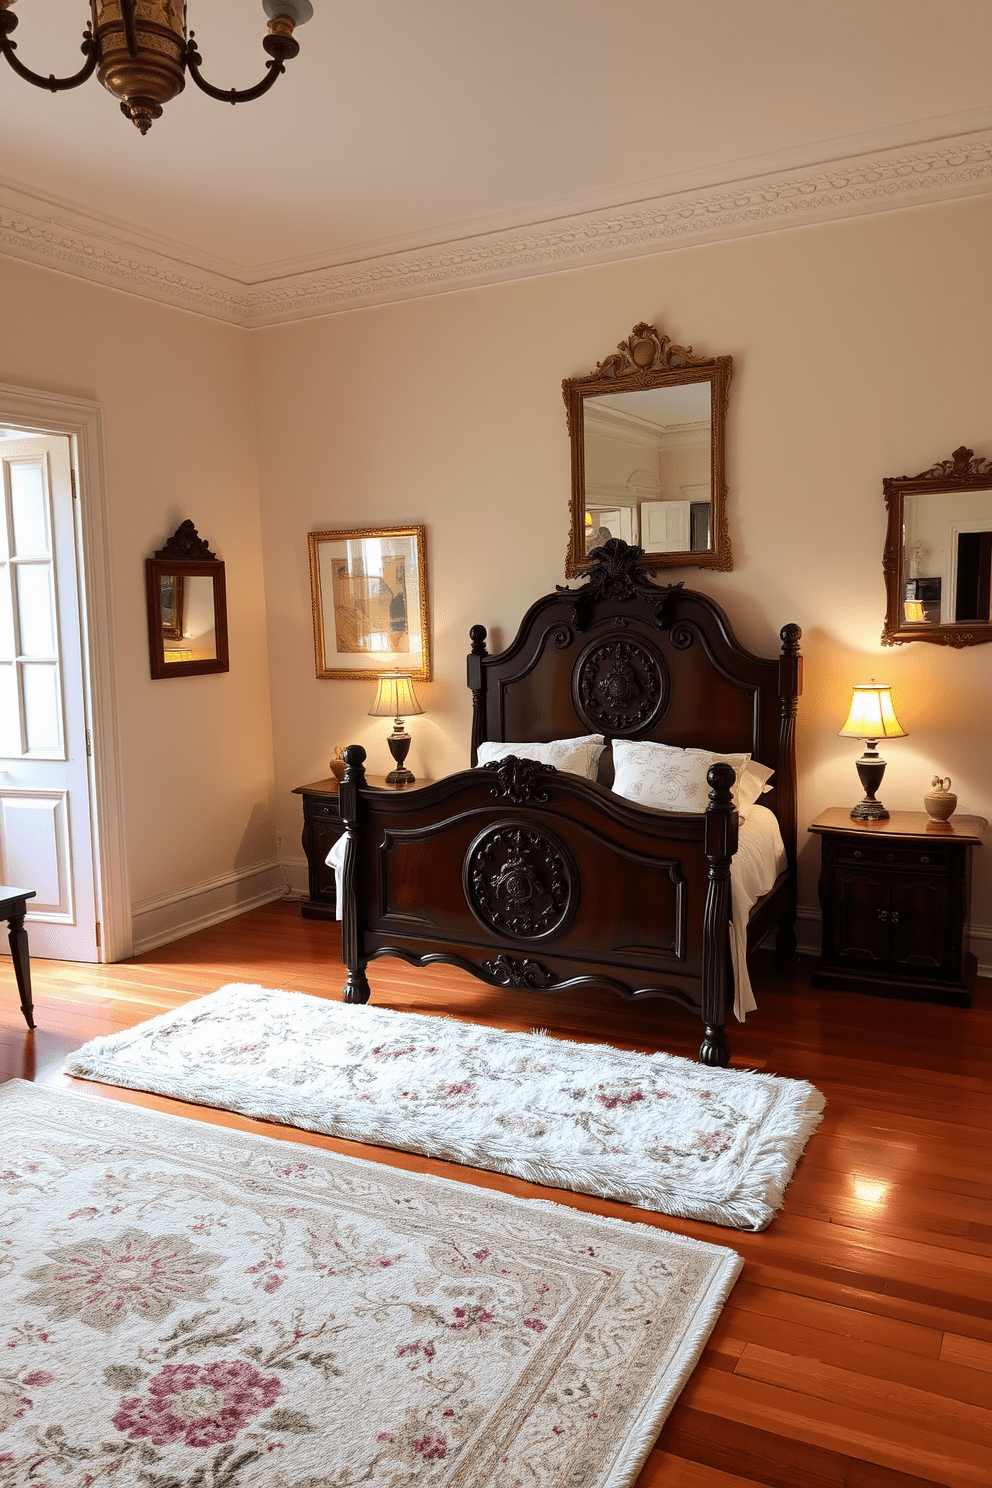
(895, 917)
(857, 852)
(925, 858)
(890, 857)
(883, 915)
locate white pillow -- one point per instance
(576, 756)
(665, 777)
(751, 785)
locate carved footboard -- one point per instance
(531, 878)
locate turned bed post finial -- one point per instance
(790, 686)
(720, 844)
(352, 909)
(477, 635)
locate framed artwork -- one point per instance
(370, 609)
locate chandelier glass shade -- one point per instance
(141, 53)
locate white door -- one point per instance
(665, 526)
(46, 839)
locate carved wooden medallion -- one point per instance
(620, 687)
(519, 881)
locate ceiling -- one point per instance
(408, 124)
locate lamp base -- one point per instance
(869, 810)
(870, 768)
(399, 745)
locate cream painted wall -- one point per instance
(862, 349)
(176, 394)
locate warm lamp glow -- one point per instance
(872, 715)
(394, 698)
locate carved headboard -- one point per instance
(630, 659)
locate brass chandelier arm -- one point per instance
(280, 48)
(54, 85)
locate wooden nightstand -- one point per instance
(322, 826)
(895, 897)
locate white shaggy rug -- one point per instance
(653, 1130)
(185, 1306)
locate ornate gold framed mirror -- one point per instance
(938, 553)
(647, 437)
(187, 608)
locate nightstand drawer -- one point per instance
(936, 860)
(324, 810)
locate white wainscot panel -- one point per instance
(34, 850)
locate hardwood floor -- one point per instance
(856, 1349)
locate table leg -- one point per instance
(18, 937)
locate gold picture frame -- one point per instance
(368, 588)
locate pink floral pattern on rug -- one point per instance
(649, 1129)
(183, 1306)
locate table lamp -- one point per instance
(396, 699)
(872, 717)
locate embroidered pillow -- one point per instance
(575, 756)
(665, 777)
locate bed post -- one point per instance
(720, 844)
(352, 909)
(477, 635)
(790, 685)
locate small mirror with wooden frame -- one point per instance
(647, 433)
(187, 608)
(938, 553)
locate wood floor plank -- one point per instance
(662, 1470)
(971, 1352)
(856, 1348)
(737, 1328)
(962, 1420)
(844, 1429)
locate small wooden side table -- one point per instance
(322, 826)
(895, 897)
(13, 907)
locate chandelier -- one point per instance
(140, 52)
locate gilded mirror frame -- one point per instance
(649, 359)
(963, 472)
(184, 558)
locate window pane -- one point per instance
(10, 723)
(6, 616)
(41, 707)
(35, 610)
(29, 508)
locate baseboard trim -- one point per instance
(296, 875)
(169, 917)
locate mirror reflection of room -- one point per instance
(947, 552)
(648, 468)
(189, 626)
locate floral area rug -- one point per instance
(185, 1306)
(652, 1130)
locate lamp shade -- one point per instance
(872, 715)
(394, 698)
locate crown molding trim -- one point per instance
(875, 181)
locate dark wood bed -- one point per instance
(632, 901)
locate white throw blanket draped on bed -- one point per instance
(757, 863)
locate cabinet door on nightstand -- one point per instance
(861, 923)
(323, 831)
(920, 916)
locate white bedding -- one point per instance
(758, 861)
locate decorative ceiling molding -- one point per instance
(876, 181)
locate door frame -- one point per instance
(38, 412)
